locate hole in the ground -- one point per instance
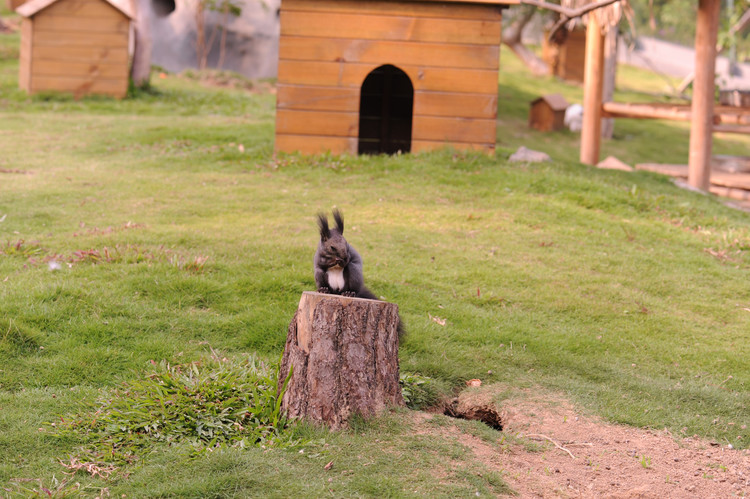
(484, 413)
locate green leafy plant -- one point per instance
(418, 391)
(208, 404)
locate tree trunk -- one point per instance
(512, 38)
(343, 356)
(141, 70)
(610, 76)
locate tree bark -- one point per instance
(512, 38)
(141, 70)
(343, 357)
(610, 77)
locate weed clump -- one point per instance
(207, 405)
(419, 391)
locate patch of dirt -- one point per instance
(583, 456)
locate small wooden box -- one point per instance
(547, 113)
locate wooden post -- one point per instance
(343, 355)
(701, 127)
(593, 76)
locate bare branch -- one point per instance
(567, 14)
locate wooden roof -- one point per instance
(556, 101)
(476, 2)
(32, 7)
(483, 2)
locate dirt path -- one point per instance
(585, 457)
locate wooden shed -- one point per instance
(77, 46)
(382, 76)
(547, 113)
(566, 54)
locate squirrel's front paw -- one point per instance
(324, 290)
(350, 294)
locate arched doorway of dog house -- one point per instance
(386, 107)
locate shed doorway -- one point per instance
(386, 105)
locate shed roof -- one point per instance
(556, 101)
(477, 2)
(32, 7)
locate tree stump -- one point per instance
(343, 353)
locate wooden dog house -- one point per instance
(382, 76)
(547, 113)
(77, 46)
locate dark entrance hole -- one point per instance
(385, 111)
(162, 8)
(481, 412)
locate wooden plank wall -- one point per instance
(80, 46)
(24, 59)
(327, 48)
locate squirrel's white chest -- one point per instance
(336, 278)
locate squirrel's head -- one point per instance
(334, 251)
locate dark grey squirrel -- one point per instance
(338, 266)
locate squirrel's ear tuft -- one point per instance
(339, 218)
(325, 232)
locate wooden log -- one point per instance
(646, 111)
(673, 170)
(343, 357)
(591, 131)
(699, 160)
(742, 129)
(718, 178)
(730, 192)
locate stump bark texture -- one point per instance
(343, 353)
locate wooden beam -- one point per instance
(593, 76)
(702, 109)
(645, 111)
(742, 129)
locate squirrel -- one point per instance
(338, 266)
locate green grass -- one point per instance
(621, 291)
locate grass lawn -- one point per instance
(162, 228)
